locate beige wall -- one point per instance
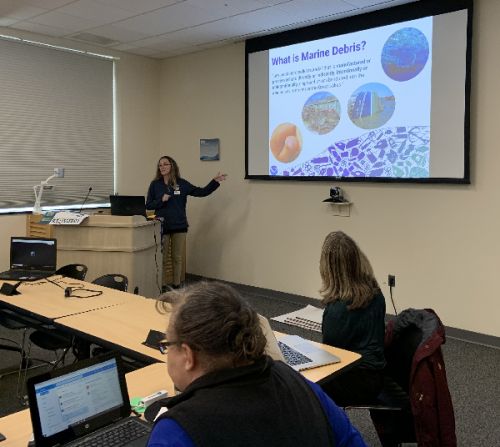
(442, 242)
(137, 123)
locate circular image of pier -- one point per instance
(321, 113)
(286, 142)
(371, 105)
(405, 54)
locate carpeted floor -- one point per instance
(472, 375)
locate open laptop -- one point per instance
(295, 351)
(83, 404)
(127, 205)
(31, 259)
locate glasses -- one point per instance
(164, 344)
(164, 164)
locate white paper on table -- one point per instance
(309, 317)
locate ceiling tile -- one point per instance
(227, 8)
(41, 29)
(170, 18)
(92, 10)
(48, 4)
(6, 21)
(307, 10)
(64, 21)
(264, 19)
(19, 10)
(118, 33)
(139, 6)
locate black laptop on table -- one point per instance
(31, 259)
(86, 403)
(127, 205)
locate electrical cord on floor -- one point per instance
(156, 260)
(392, 301)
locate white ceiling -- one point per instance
(165, 28)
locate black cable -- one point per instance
(68, 292)
(156, 259)
(53, 282)
(392, 300)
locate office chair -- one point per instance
(75, 271)
(408, 337)
(52, 339)
(113, 281)
(13, 321)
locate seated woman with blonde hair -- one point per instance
(232, 393)
(353, 319)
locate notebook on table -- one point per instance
(127, 205)
(31, 259)
(295, 351)
(86, 403)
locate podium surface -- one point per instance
(130, 245)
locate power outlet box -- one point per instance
(391, 280)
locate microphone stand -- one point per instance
(86, 197)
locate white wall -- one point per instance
(441, 241)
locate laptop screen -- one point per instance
(127, 205)
(33, 253)
(70, 402)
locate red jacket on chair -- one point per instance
(430, 398)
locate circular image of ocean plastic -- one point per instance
(321, 113)
(371, 105)
(286, 142)
(405, 54)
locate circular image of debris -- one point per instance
(405, 54)
(321, 113)
(371, 105)
(286, 142)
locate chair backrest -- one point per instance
(74, 271)
(399, 355)
(113, 281)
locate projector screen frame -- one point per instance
(401, 13)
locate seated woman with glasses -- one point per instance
(231, 392)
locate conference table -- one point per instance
(17, 429)
(115, 320)
(45, 300)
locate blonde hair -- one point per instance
(346, 272)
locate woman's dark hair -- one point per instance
(174, 170)
(346, 272)
(212, 318)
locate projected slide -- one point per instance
(355, 105)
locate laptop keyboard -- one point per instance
(117, 435)
(25, 274)
(292, 356)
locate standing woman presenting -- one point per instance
(167, 195)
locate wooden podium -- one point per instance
(130, 245)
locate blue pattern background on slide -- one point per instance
(401, 152)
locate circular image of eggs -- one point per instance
(371, 105)
(405, 54)
(321, 113)
(286, 142)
